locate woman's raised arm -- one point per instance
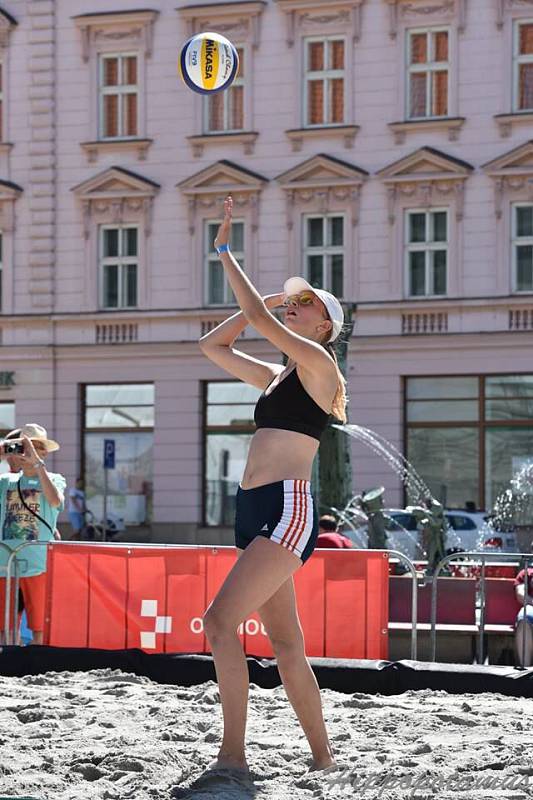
(217, 345)
(300, 349)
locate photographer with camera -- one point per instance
(31, 499)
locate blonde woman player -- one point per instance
(276, 524)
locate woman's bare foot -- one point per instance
(321, 764)
(230, 762)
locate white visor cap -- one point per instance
(333, 307)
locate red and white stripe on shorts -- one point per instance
(296, 523)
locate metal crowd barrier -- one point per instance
(414, 598)
(14, 559)
(6, 569)
(10, 630)
(483, 557)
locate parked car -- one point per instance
(467, 531)
(402, 533)
(477, 531)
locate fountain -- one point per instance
(428, 511)
(431, 517)
(371, 503)
(416, 489)
(513, 509)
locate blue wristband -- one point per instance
(224, 248)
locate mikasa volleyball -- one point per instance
(208, 62)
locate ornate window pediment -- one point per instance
(207, 189)
(7, 23)
(314, 17)
(116, 196)
(320, 180)
(512, 173)
(510, 5)
(238, 20)
(109, 28)
(426, 177)
(425, 12)
(9, 192)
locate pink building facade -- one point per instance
(382, 148)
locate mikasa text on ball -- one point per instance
(208, 62)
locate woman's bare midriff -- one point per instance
(277, 455)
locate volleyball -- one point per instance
(208, 63)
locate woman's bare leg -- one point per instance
(259, 572)
(280, 618)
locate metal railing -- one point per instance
(6, 569)
(14, 560)
(414, 598)
(479, 557)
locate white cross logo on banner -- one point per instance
(162, 624)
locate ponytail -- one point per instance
(339, 401)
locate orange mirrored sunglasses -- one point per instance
(302, 299)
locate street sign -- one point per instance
(109, 454)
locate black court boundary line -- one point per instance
(341, 675)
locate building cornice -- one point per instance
(200, 142)
(317, 14)
(238, 20)
(7, 24)
(297, 136)
(112, 26)
(425, 12)
(512, 173)
(452, 125)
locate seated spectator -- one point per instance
(524, 628)
(329, 536)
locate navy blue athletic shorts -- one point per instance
(283, 512)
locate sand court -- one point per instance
(114, 735)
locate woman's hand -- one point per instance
(274, 300)
(224, 230)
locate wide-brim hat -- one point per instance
(36, 433)
(333, 307)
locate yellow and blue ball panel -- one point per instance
(208, 63)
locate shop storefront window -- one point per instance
(124, 413)
(469, 436)
(229, 426)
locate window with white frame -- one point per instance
(119, 249)
(426, 252)
(119, 92)
(522, 243)
(523, 65)
(428, 73)
(324, 83)
(218, 290)
(324, 252)
(224, 111)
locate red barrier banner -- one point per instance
(155, 598)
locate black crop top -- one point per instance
(290, 408)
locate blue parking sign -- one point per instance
(109, 454)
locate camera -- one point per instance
(13, 448)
